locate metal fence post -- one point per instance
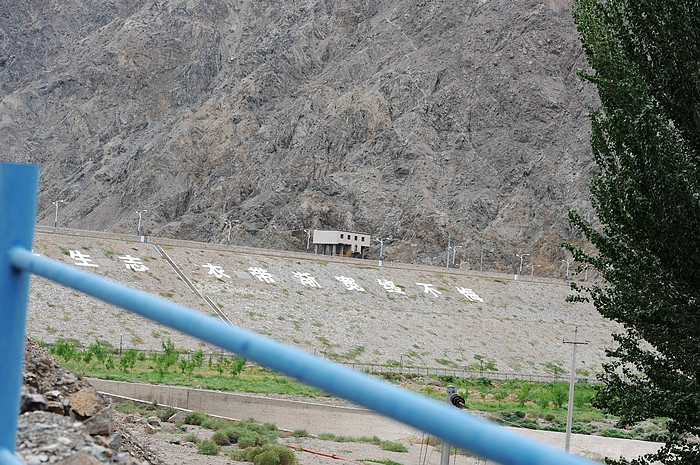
(18, 195)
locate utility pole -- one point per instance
(449, 242)
(381, 248)
(568, 262)
(308, 239)
(569, 413)
(481, 260)
(454, 253)
(55, 220)
(230, 225)
(138, 228)
(522, 256)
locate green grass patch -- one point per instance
(521, 403)
(383, 462)
(208, 447)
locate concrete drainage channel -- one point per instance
(288, 415)
(191, 285)
(315, 418)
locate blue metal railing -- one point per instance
(18, 187)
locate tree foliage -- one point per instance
(170, 356)
(645, 137)
(127, 360)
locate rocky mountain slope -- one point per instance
(420, 120)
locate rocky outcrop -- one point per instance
(64, 420)
(419, 120)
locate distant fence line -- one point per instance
(299, 255)
(461, 372)
(399, 369)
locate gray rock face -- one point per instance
(65, 420)
(415, 120)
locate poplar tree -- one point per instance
(644, 58)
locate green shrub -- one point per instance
(578, 428)
(163, 362)
(232, 432)
(286, 456)
(373, 440)
(560, 394)
(127, 360)
(524, 393)
(98, 350)
(221, 438)
(153, 406)
(248, 439)
(198, 358)
(392, 446)
(269, 457)
(271, 454)
(208, 447)
(127, 407)
(250, 453)
(64, 349)
(237, 365)
(192, 438)
(164, 414)
(582, 398)
(616, 433)
(215, 424)
(237, 455)
(383, 462)
(518, 419)
(196, 418)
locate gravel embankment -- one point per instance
(518, 328)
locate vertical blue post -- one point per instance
(18, 196)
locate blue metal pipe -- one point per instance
(18, 188)
(8, 458)
(483, 438)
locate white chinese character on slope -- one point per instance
(469, 294)
(133, 263)
(389, 286)
(82, 260)
(306, 279)
(262, 274)
(350, 283)
(429, 289)
(216, 271)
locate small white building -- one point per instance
(345, 243)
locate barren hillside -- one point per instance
(417, 120)
(345, 309)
